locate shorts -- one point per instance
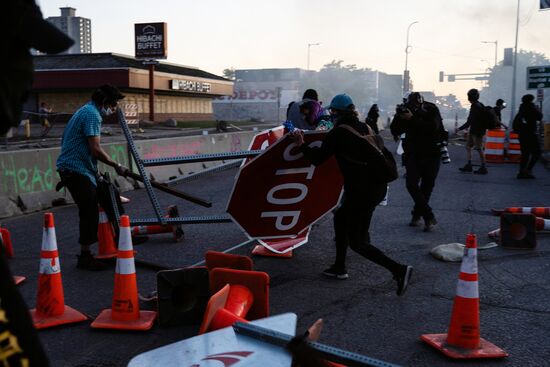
(475, 141)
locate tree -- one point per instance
(500, 82)
(229, 73)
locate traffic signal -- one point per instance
(441, 76)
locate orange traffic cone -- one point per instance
(541, 224)
(6, 246)
(260, 250)
(105, 237)
(543, 212)
(50, 304)
(125, 313)
(214, 259)
(463, 340)
(239, 294)
(6, 240)
(175, 229)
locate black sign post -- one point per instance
(150, 44)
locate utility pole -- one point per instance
(513, 100)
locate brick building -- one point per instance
(184, 93)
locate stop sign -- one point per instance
(280, 193)
(264, 139)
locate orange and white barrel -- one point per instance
(514, 148)
(494, 145)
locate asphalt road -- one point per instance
(362, 314)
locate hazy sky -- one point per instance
(217, 34)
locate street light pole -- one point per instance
(406, 75)
(308, 49)
(513, 101)
(496, 48)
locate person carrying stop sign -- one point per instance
(364, 189)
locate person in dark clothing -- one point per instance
(499, 106)
(476, 123)
(422, 124)
(372, 118)
(362, 191)
(525, 124)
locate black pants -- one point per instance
(84, 194)
(351, 227)
(421, 175)
(530, 151)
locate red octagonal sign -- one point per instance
(280, 193)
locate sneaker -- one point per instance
(524, 174)
(403, 279)
(335, 272)
(415, 221)
(466, 168)
(481, 171)
(87, 261)
(429, 224)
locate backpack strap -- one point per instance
(369, 138)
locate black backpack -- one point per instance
(384, 167)
(490, 118)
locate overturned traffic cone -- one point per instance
(105, 237)
(260, 250)
(215, 259)
(241, 295)
(50, 303)
(543, 212)
(175, 229)
(541, 224)
(462, 340)
(125, 313)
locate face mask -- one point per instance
(106, 112)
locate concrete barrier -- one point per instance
(33, 171)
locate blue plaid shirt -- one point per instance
(75, 154)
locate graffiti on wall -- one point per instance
(172, 150)
(31, 177)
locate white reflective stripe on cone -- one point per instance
(546, 225)
(516, 152)
(467, 289)
(102, 217)
(491, 139)
(49, 242)
(50, 266)
(125, 266)
(125, 241)
(514, 141)
(494, 151)
(526, 210)
(469, 261)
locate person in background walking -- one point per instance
(372, 118)
(363, 190)
(45, 111)
(476, 123)
(525, 124)
(499, 106)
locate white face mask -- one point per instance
(106, 111)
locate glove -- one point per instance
(121, 170)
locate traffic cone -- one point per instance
(541, 224)
(176, 230)
(6, 246)
(50, 303)
(124, 313)
(239, 294)
(105, 237)
(260, 250)
(215, 259)
(543, 212)
(6, 240)
(462, 340)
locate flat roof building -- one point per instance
(78, 28)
